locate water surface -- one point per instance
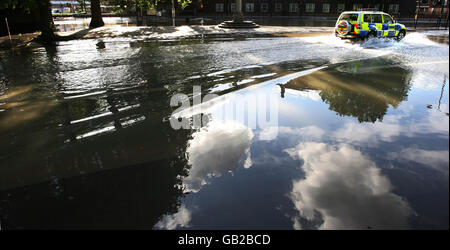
(362, 135)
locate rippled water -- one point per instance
(361, 142)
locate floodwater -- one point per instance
(360, 139)
(65, 24)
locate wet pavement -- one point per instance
(361, 139)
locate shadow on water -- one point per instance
(362, 89)
(125, 179)
(126, 198)
(56, 172)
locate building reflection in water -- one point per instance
(73, 179)
(101, 158)
(128, 198)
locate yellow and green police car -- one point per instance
(368, 23)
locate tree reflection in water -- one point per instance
(362, 89)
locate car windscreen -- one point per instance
(349, 17)
(388, 19)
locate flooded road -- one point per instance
(361, 139)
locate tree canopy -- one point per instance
(27, 5)
(147, 4)
(44, 17)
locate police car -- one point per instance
(368, 23)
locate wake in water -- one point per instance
(429, 60)
(411, 39)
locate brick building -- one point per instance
(306, 7)
(433, 7)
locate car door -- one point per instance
(367, 25)
(388, 26)
(377, 19)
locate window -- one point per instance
(393, 8)
(374, 6)
(233, 7)
(376, 18)
(249, 7)
(326, 8)
(310, 7)
(219, 7)
(264, 7)
(357, 6)
(387, 19)
(341, 7)
(278, 7)
(423, 9)
(367, 18)
(349, 17)
(293, 7)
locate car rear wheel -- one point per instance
(343, 28)
(401, 35)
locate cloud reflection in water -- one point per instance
(182, 218)
(343, 189)
(217, 149)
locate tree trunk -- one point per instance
(96, 15)
(45, 21)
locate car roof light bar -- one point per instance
(367, 9)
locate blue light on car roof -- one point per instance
(366, 10)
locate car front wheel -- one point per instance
(401, 35)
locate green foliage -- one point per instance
(147, 4)
(27, 5)
(82, 4)
(184, 3)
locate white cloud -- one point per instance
(429, 79)
(180, 219)
(437, 120)
(218, 148)
(370, 133)
(310, 132)
(438, 159)
(343, 189)
(306, 94)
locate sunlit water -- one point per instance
(361, 142)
